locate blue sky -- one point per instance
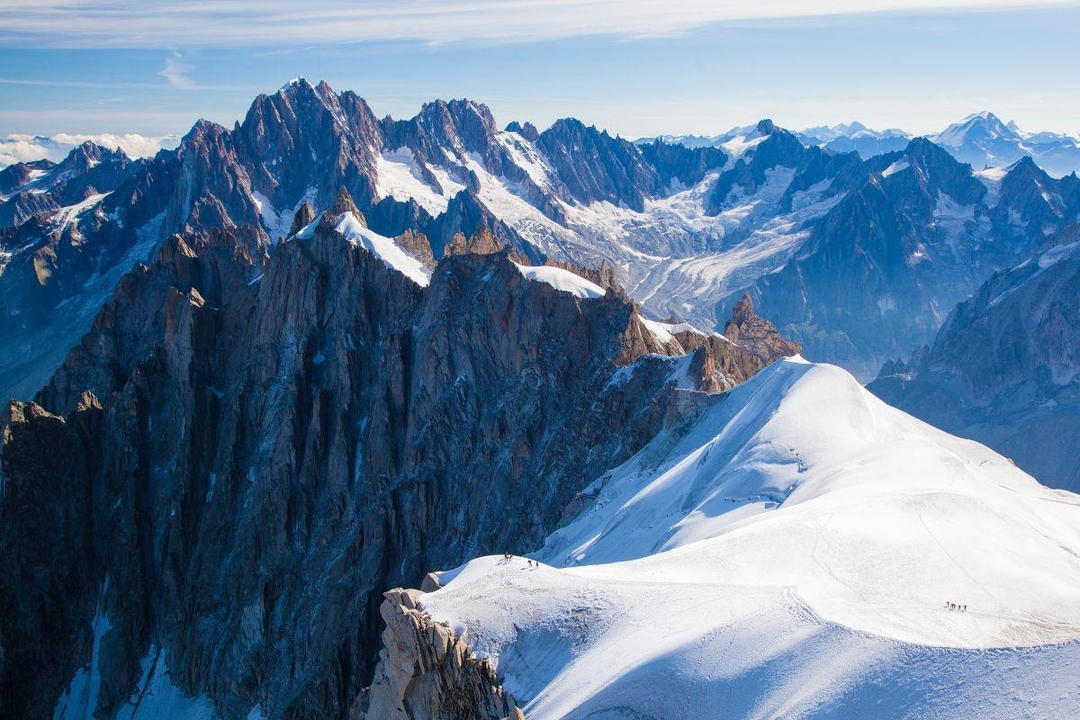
(75, 66)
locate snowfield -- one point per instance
(562, 280)
(791, 555)
(384, 248)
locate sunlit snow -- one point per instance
(790, 555)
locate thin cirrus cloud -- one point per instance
(176, 72)
(216, 23)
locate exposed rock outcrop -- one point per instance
(417, 245)
(426, 672)
(757, 335)
(481, 242)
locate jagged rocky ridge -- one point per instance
(688, 230)
(249, 446)
(60, 260)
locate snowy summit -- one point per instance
(802, 547)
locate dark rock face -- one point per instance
(685, 165)
(1005, 367)
(48, 588)
(272, 440)
(615, 170)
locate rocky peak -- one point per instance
(306, 137)
(616, 171)
(481, 242)
(417, 245)
(1043, 205)
(458, 124)
(937, 171)
(766, 127)
(774, 148)
(303, 217)
(343, 203)
(527, 130)
(1024, 172)
(88, 155)
(758, 335)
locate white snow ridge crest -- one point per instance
(792, 555)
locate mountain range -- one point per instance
(270, 380)
(981, 140)
(688, 231)
(248, 447)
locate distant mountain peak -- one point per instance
(766, 127)
(982, 126)
(295, 82)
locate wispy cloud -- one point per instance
(221, 23)
(176, 71)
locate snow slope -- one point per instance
(563, 280)
(384, 248)
(790, 554)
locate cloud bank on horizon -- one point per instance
(209, 23)
(24, 148)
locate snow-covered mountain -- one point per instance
(983, 140)
(856, 137)
(793, 553)
(687, 230)
(303, 359)
(297, 431)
